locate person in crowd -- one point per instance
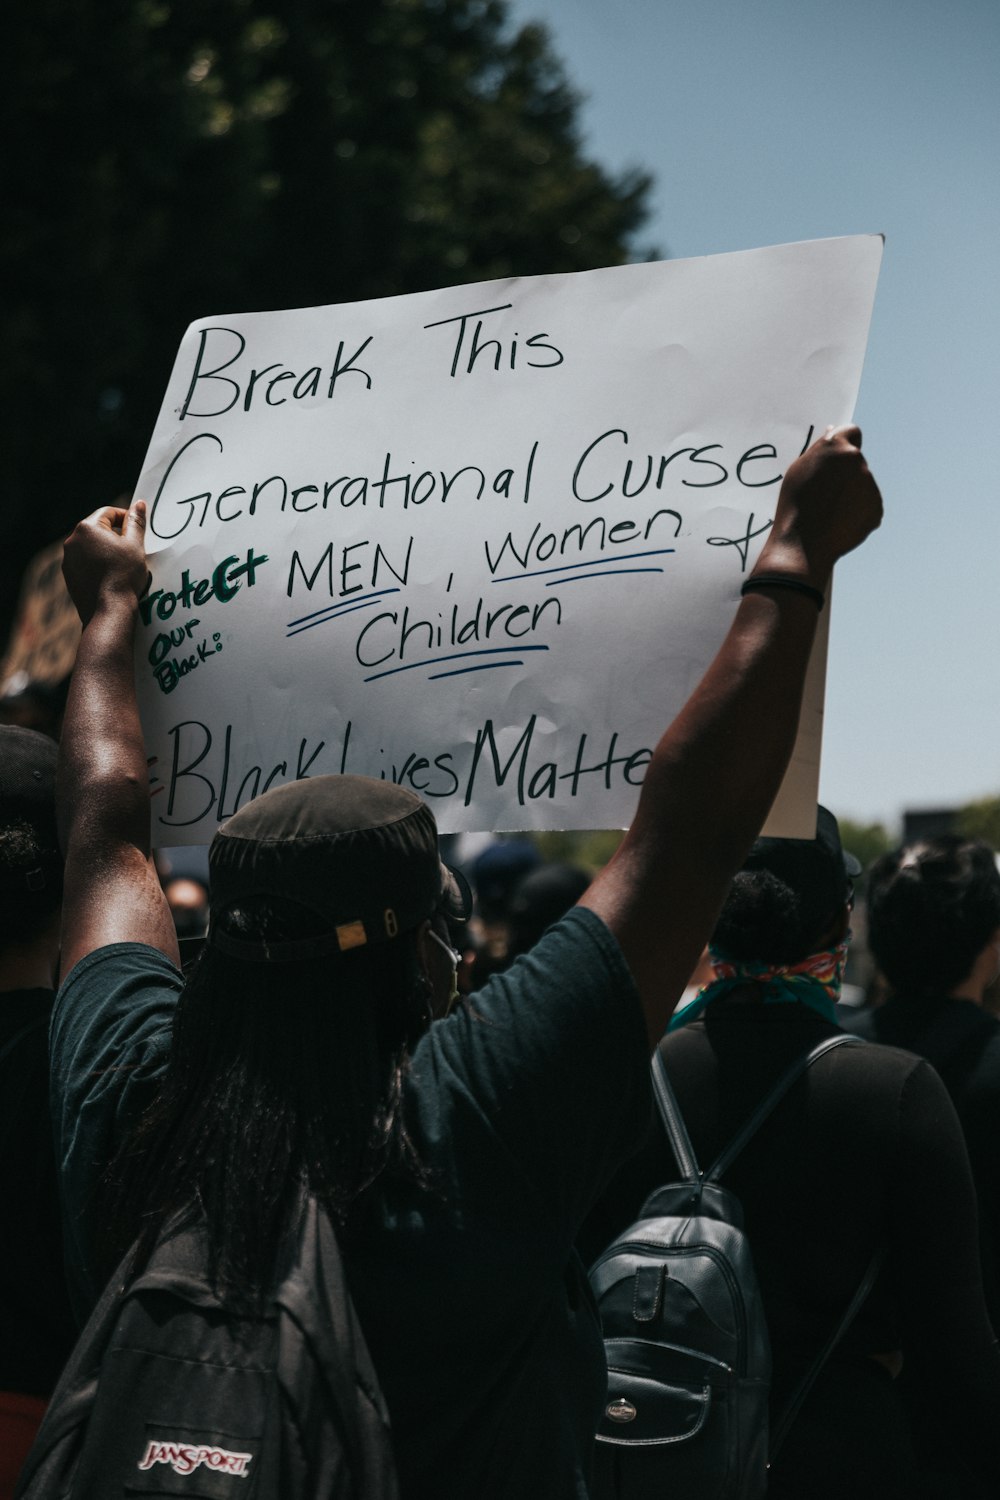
(36, 1327)
(183, 875)
(851, 1163)
(188, 901)
(538, 900)
(496, 871)
(934, 931)
(457, 1156)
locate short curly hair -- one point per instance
(765, 919)
(932, 908)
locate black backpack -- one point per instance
(689, 1358)
(168, 1393)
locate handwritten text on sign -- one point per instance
(482, 541)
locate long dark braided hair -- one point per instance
(281, 1075)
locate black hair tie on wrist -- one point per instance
(783, 581)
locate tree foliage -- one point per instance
(591, 848)
(866, 841)
(209, 156)
(981, 820)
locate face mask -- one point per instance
(456, 959)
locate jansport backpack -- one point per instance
(169, 1394)
(689, 1358)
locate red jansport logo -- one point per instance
(184, 1458)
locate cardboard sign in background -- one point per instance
(46, 630)
(482, 541)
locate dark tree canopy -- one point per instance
(167, 161)
(981, 820)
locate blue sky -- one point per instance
(765, 121)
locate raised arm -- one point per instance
(112, 892)
(717, 769)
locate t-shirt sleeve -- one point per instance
(541, 1080)
(109, 1042)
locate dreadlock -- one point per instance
(281, 1075)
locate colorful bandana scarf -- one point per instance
(815, 982)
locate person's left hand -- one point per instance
(105, 557)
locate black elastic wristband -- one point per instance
(783, 581)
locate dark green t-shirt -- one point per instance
(474, 1304)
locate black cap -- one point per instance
(496, 872)
(362, 855)
(541, 898)
(28, 797)
(819, 870)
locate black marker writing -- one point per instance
(547, 356)
(603, 470)
(336, 568)
(741, 543)
(596, 535)
(267, 385)
(173, 511)
(531, 783)
(200, 783)
(389, 635)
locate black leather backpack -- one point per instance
(168, 1393)
(689, 1358)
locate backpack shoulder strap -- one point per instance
(315, 1297)
(777, 1093)
(791, 1411)
(673, 1122)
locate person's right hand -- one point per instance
(829, 503)
(105, 556)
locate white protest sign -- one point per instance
(482, 541)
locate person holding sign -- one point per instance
(457, 1155)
